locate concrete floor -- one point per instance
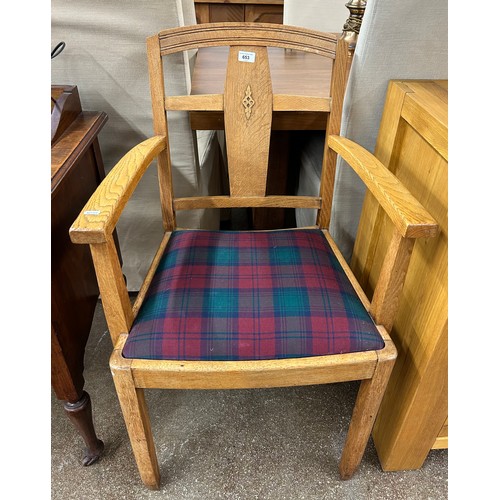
(245, 444)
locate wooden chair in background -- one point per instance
(248, 309)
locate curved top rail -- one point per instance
(260, 34)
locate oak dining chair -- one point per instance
(230, 309)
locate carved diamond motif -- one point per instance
(248, 102)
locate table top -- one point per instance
(72, 130)
(75, 141)
(292, 72)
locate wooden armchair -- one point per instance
(248, 309)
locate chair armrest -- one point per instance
(99, 216)
(410, 218)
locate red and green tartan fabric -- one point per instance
(243, 295)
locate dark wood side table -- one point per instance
(76, 171)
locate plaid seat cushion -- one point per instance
(234, 295)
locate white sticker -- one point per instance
(246, 56)
(92, 212)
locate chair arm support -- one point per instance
(99, 216)
(410, 218)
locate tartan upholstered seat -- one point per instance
(231, 295)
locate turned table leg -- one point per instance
(80, 414)
(74, 288)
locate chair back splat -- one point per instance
(248, 111)
(248, 309)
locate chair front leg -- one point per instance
(136, 416)
(367, 404)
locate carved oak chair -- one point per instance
(248, 309)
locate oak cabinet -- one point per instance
(413, 143)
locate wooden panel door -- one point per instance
(227, 13)
(219, 11)
(264, 14)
